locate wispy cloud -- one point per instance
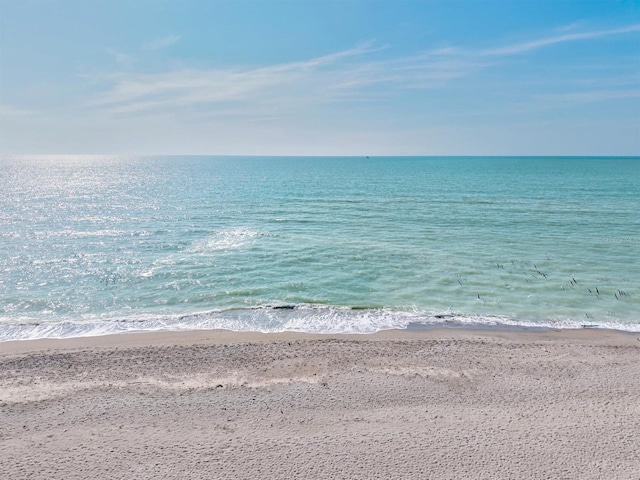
(191, 87)
(348, 75)
(9, 111)
(121, 58)
(339, 76)
(162, 42)
(524, 47)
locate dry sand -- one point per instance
(441, 404)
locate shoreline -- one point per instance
(223, 336)
(296, 318)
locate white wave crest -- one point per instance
(225, 240)
(291, 318)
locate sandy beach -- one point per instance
(439, 404)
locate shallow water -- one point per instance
(94, 245)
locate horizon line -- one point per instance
(316, 155)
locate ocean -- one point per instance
(91, 245)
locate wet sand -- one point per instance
(442, 404)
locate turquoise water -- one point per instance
(93, 245)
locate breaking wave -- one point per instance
(288, 318)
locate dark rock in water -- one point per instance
(284, 307)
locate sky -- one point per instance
(320, 77)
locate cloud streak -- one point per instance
(9, 111)
(348, 75)
(524, 47)
(192, 87)
(121, 58)
(163, 42)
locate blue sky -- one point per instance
(320, 77)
